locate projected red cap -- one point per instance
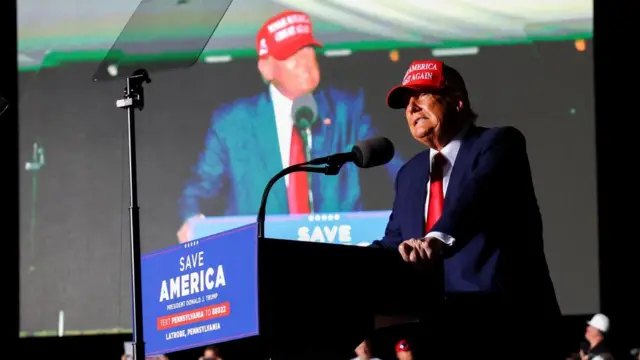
(402, 345)
(284, 34)
(425, 75)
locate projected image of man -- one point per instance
(252, 139)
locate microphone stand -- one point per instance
(134, 100)
(332, 168)
(34, 166)
(306, 137)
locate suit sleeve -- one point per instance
(208, 178)
(486, 194)
(392, 234)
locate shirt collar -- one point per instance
(281, 103)
(450, 151)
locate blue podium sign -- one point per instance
(201, 292)
(356, 228)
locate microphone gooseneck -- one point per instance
(365, 154)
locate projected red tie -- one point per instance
(298, 189)
(436, 191)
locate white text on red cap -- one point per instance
(418, 76)
(423, 66)
(425, 73)
(287, 20)
(291, 31)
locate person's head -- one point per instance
(436, 103)
(211, 353)
(286, 51)
(403, 350)
(363, 351)
(597, 328)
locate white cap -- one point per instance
(600, 322)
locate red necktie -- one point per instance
(298, 189)
(436, 191)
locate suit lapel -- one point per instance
(266, 141)
(319, 129)
(462, 165)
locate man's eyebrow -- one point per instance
(432, 94)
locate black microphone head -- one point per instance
(304, 111)
(373, 152)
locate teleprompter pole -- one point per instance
(134, 100)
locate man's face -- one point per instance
(363, 351)
(210, 354)
(296, 76)
(405, 355)
(591, 333)
(427, 115)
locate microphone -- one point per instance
(365, 154)
(304, 112)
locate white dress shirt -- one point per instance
(284, 124)
(450, 152)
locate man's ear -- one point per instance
(458, 102)
(266, 69)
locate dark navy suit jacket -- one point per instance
(242, 153)
(492, 213)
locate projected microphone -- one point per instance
(365, 154)
(304, 112)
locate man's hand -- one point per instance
(184, 233)
(419, 250)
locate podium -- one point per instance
(272, 297)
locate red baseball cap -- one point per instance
(284, 34)
(425, 75)
(402, 345)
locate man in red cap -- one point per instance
(287, 55)
(466, 207)
(252, 139)
(403, 350)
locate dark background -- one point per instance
(78, 260)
